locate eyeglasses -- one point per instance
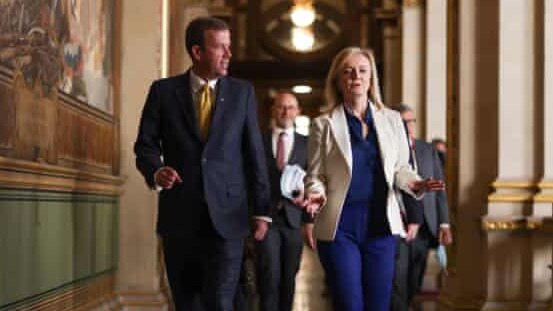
(410, 120)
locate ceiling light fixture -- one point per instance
(302, 38)
(302, 13)
(301, 89)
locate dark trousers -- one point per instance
(203, 271)
(359, 268)
(400, 296)
(418, 254)
(278, 261)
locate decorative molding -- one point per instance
(503, 224)
(543, 198)
(545, 184)
(517, 191)
(31, 175)
(82, 296)
(500, 197)
(510, 224)
(503, 184)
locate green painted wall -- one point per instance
(52, 239)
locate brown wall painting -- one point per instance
(7, 117)
(63, 44)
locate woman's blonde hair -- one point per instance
(333, 95)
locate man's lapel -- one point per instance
(219, 107)
(184, 98)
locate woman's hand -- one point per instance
(313, 202)
(428, 184)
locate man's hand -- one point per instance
(308, 236)
(412, 230)
(428, 184)
(313, 202)
(261, 227)
(166, 177)
(298, 197)
(445, 236)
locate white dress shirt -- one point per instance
(288, 141)
(196, 85)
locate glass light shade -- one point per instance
(302, 15)
(301, 89)
(302, 38)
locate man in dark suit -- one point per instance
(199, 143)
(434, 229)
(411, 212)
(279, 253)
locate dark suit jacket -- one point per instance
(435, 202)
(298, 155)
(218, 173)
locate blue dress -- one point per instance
(359, 263)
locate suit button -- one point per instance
(204, 160)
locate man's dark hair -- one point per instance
(401, 108)
(197, 27)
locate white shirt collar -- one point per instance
(289, 131)
(196, 83)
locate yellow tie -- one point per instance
(205, 110)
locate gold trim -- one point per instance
(85, 296)
(544, 198)
(503, 225)
(545, 185)
(495, 197)
(501, 184)
(32, 175)
(527, 223)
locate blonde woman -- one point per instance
(358, 159)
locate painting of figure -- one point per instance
(60, 45)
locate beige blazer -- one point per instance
(330, 164)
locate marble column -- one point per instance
(546, 185)
(472, 155)
(543, 200)
(436, 70)
(138, 276)
(412, 40)
(514, 259)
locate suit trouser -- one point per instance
(359, 268)
(418, 255)
(400, 293)
(203, 271)
(278, 261)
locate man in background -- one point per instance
(279, 254)
(434, 229)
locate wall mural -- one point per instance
(60, 44)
